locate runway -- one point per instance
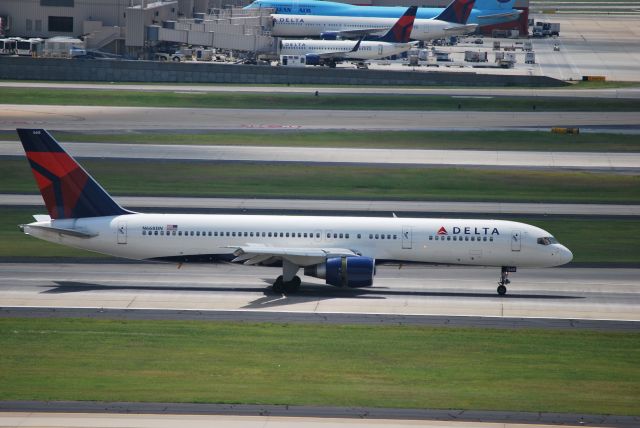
(569, 293)
(353, 207)
(618, 93)
(170, 415)
(314, 155)
(87, 118)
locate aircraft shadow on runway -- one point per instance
(308, 292)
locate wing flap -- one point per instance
(254, 254)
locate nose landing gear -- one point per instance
(504, 279)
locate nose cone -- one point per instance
(564, 255)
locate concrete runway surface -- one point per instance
(569, 293)
(591, 45)
(101, 420)
(87, 118)
(351, 207)
(631, 93)
(482, 158)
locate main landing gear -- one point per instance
(288, 282)
(280, 286)
(504, 279)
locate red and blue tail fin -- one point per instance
(401, 30)
(457, 12)
(67, 189)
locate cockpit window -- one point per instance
(547, 240)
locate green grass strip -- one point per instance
(592, 241)
(41, 96)
(157, 178)
(298, 364)
(462, 140)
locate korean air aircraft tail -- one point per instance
(457, 12)
(67, 189)
(401, 30)
(494, 4)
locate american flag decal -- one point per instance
(171, 227)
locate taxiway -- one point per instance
(99, 118)
(314, 155)
(352, 207)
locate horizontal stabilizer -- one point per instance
(41, 217)
(69, 232)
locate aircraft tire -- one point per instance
(278, 285)
(293, 285)
(502, 290)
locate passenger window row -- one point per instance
(329, 235)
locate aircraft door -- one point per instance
(379, 49)
(407, 238)
(122, 232)
(516, 238)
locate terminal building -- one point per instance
(138, 27)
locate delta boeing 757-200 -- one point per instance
(341, 250)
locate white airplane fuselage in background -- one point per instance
(315, 26)
(366, 50)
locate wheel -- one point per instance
(278, 285)
(502, 290)
(293, 285)
(176, 59)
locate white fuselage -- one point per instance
(314, 26)
(366, 50)
(445, 241)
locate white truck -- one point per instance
(475, 56)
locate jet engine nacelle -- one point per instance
(312, 59)
(343, 271)
(329, 35)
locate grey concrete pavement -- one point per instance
(363, 207)
(631, 93)
(170, 415)
(591, 45)
(87, 118)
(569, 293)
(484, 158)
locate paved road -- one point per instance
(483, 158)
(569, 293)
(631, 93)
(86, 118)
(364, 207)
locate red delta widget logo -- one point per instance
(469, 231)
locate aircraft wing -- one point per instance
(362, 32)
(253, 254)
(511, 16)
(461, 29)
(328, 55)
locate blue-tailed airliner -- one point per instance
(485, 12)
(341, 250)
